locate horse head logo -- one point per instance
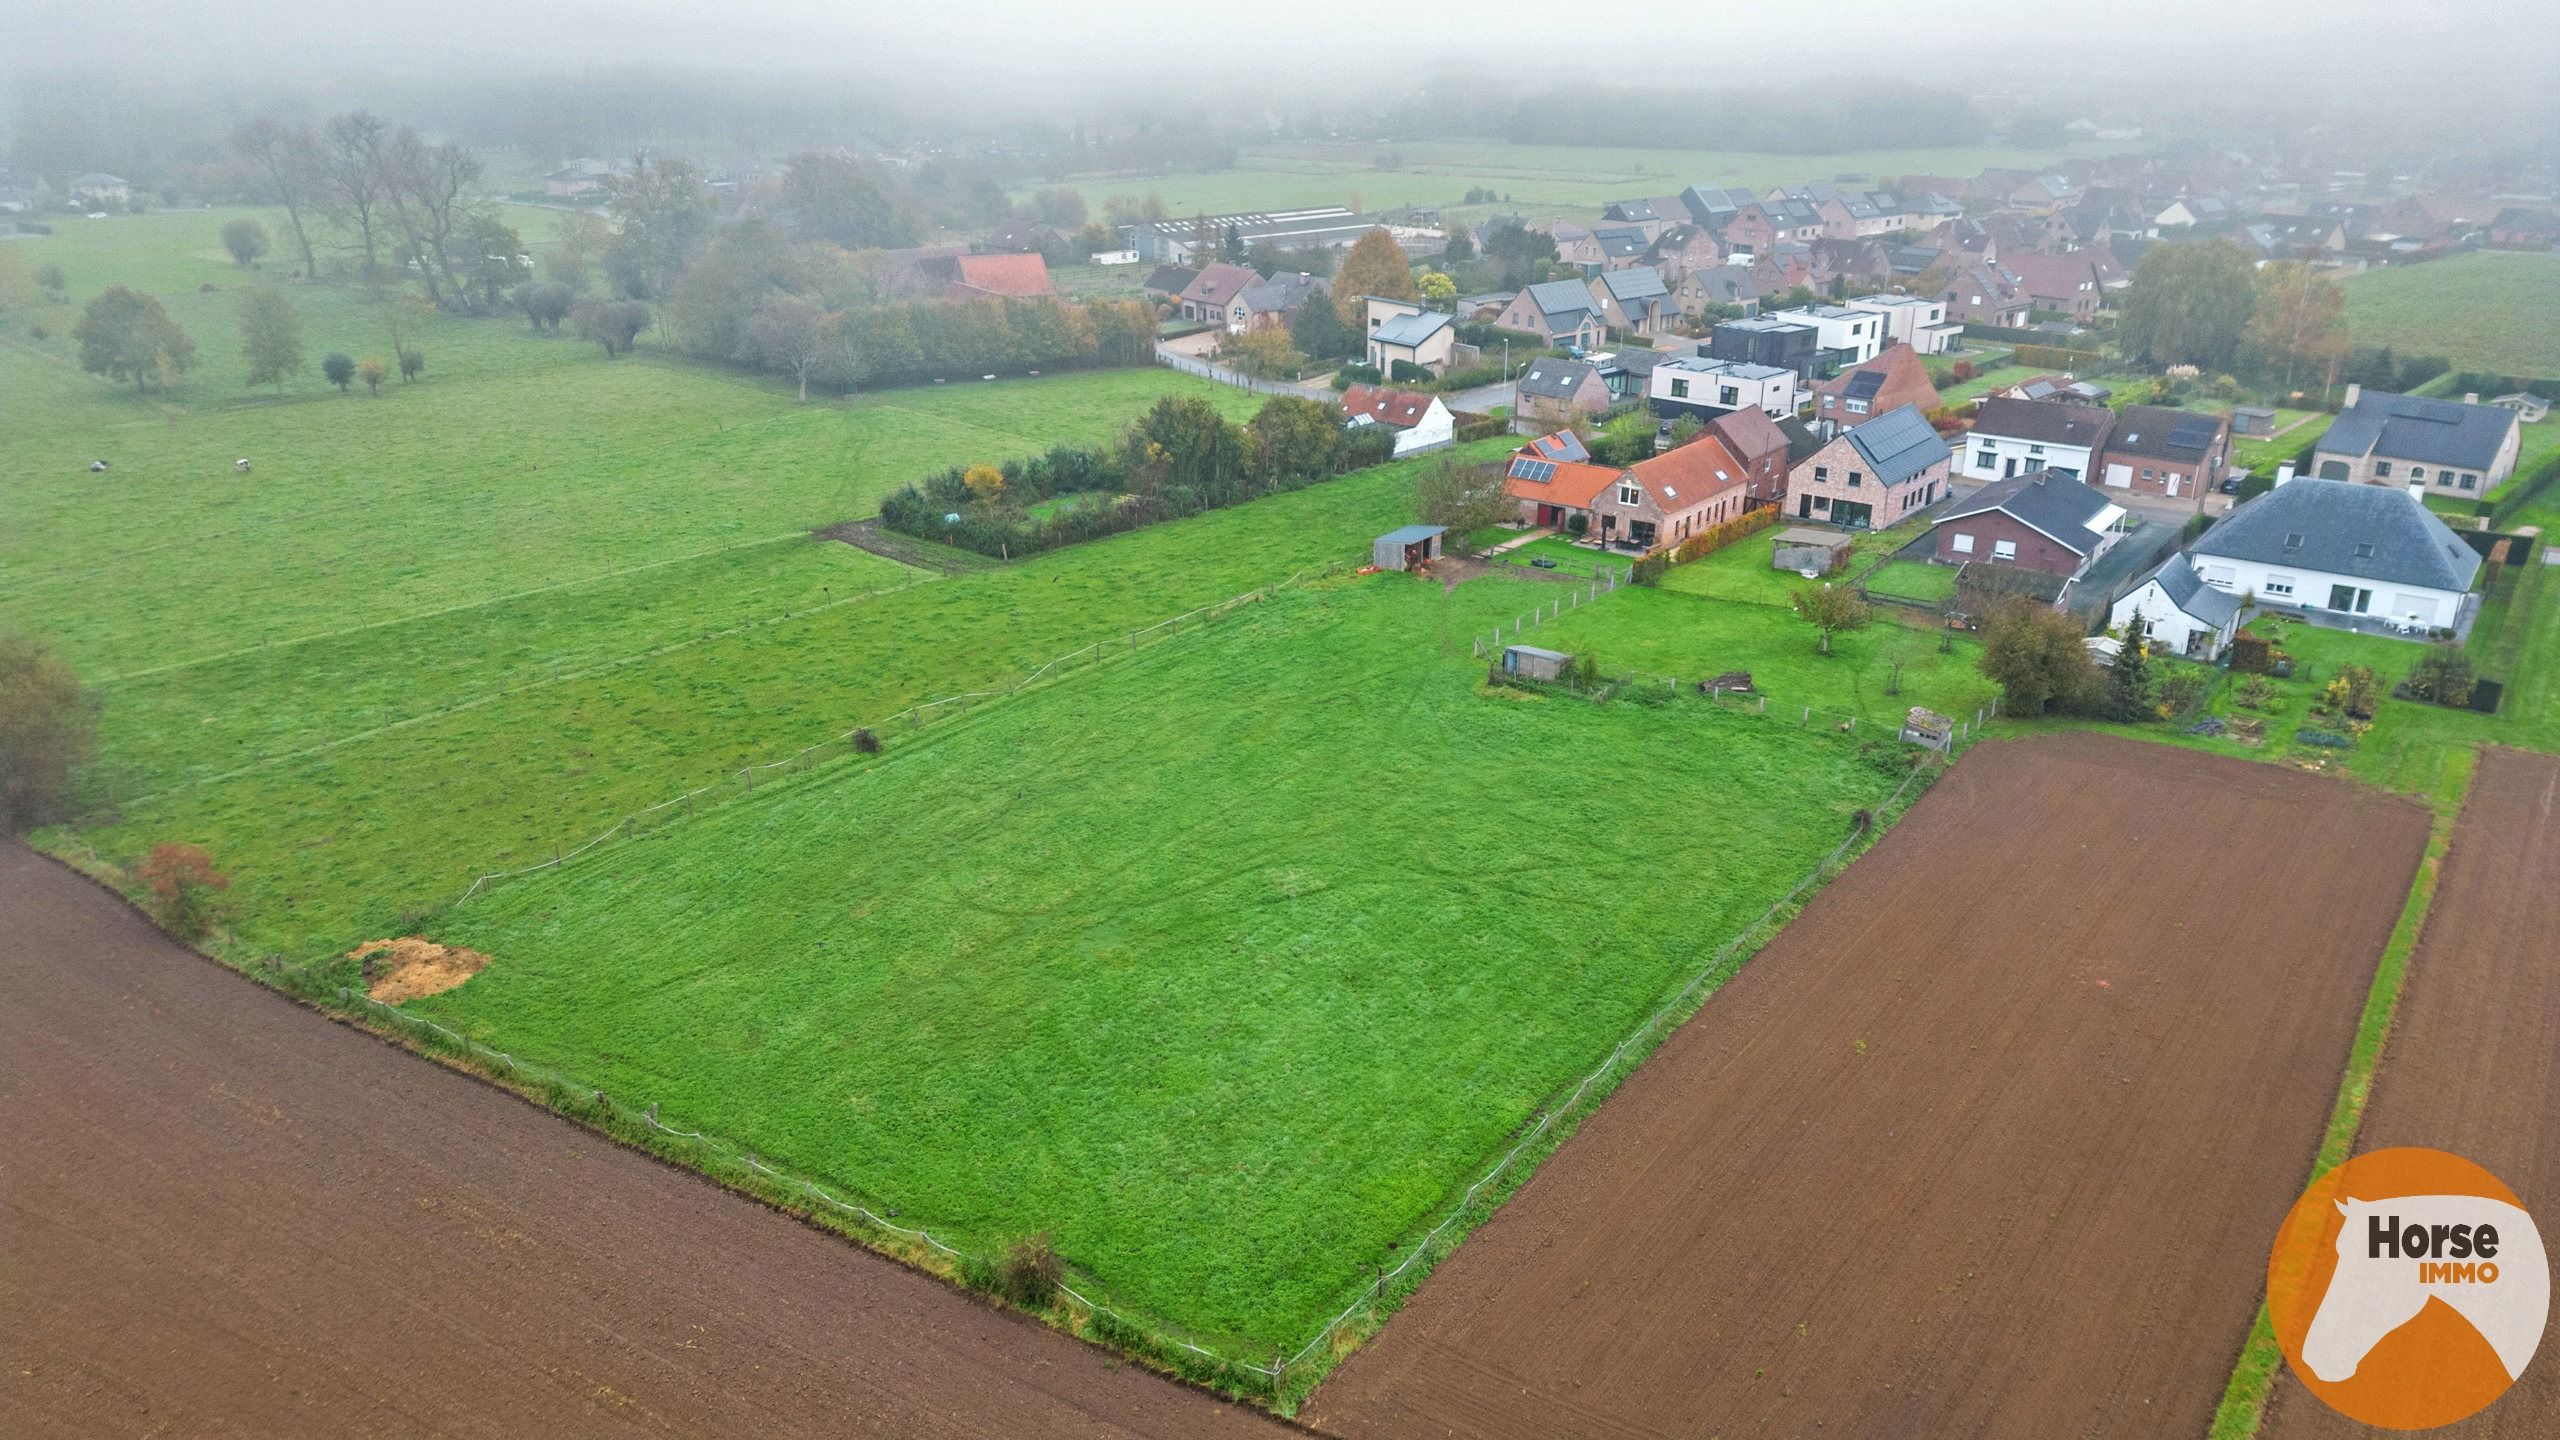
(2480, 1256)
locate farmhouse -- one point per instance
(1421, 422)
(1556, 494)
(2159, 451)
(2035, 521)
(2012, 436)
(2184, 614)
(2331, 548)
(1011, 276)
(2452, 447)
(1647, 506)
(1873, 475)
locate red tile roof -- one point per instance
(1571, 485)
(1691, 475)
(1022, 275)
(1402, 409)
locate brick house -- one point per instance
(2159, 451)
(1873, 475)
(2068, 284)
(1213, 295)
(2035, 521)
(1560, 312)
(2452, 447)
(1893, 379)
(1985, 294)
(1651, 505)
(1752, 438)
(1559, 392)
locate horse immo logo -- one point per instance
(2408, 1288)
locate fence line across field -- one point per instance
(1642, 1031)
(914, 716)
(1605, 582)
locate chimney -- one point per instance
(2355, 392)
(2470, 397)
(2284, 472)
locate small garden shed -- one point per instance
(1410, 548)
(1800, 548)
(1531, 663)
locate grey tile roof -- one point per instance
(1898, 444)
(2041, 422)
(1556, 298)
(2155, 432)
(1410, 330)
(2041, 500)
(2322, 525)
(2179, 581)
(2419, 429)
(1556, 379)
(1635, 283)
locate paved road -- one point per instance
(221, 1214)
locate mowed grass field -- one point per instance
(2487, 310)
(1227, 965)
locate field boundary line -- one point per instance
(2253, 1373)
(1635, 1039)
(445, 610)
(1100, 651)
(589, 672)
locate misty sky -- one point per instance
(2466, 51)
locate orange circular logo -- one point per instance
(2408, 1288)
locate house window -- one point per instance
(2364, 550)
(2417, 472)
(2470, 480)
(1983, 459)
(1630, 495)
(1855, 480)
(2004, 549)
(2146, 474)
(1679, 389)
(1822, 503)
(1728, 396)
(2279, 586)
(2381, 469)
(1857, 407)
(1821, 474)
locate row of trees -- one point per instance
(388, 197)
(1179, 458)
(2210, 305)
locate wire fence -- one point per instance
(859, 738)
(1605, 582)
(1637, 1043)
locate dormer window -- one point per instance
(2364, 550)
(2293, 542)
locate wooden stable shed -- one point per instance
(1410, 548)
(1799, 548)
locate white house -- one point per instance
(2343, 547)
(1837, 327)
(2185, 615)
(1913, 320)
(1421, 422)
(1708, 387)
(2012, 436)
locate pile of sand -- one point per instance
(398, 971)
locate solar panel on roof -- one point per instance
(1538, 470)
(2192, 433)
(1864, 385)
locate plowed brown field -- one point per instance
(1990, 1142)
(2473, 1062)
(223, 1215)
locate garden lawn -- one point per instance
(1212, 965)
(1984, 383)
(1571, 559)
(2487, 310)
(1741, 571)
(1914, 580)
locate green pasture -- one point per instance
(2486, 310)
(1215, 965)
